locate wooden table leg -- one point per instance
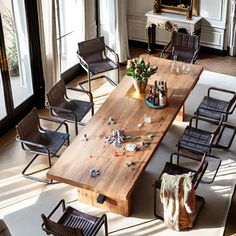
(151, 38)
(122, 207)
(180, 116)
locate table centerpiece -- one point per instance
(141, 72)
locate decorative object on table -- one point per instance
(84, 138)
(116, 138)
(157, 95)
(150, 136)
(94, 172)
(130, 137)
(111, 121)
(141, 72)
(145, 143)
(140, 125)
(131, 147)
(174, 64)
(147, 119)
(185, 68)
(130, 163)
(132, 93)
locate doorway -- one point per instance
(16, 83)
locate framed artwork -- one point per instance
(178, 6)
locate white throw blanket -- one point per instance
(178, 198)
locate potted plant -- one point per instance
(12, 59)
(11, 47)
(141, 72)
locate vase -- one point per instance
(140, 85)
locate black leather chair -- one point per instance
(199, 137)
(174, 169)
(73, 222)
(213, 107)
(40, 141)
(72, 110)
(93, 58)
(184, 46)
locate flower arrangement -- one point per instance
(139, 69)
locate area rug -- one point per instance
(22, 213)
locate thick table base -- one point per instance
(180, 116)
(117, 206)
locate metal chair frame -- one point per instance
(177, 169)
(214, 142)
(47, 152)
(86, 67)
(230, 108)
(171, 46)
(70, 112)
(63, 223)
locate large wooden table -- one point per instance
(116, 180)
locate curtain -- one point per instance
(232, 32)
(48, 42)
(113, 26)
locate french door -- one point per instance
(17, 95)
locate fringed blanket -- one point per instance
(178, 198)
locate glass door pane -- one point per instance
(17, 51)
(69, 31)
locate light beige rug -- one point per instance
(22, 201)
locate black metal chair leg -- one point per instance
(216, 171)
(226, 125)
(105, 225)
(155, 201)
(201, 200)
(111, 81)
(29, 175)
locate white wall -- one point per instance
(213, 33)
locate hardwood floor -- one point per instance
(211, 62)
(9, 149)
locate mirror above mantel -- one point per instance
(184, 7)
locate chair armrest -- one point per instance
(61, 203)
(195, 55)
(213, 109)
(231, 101)
(164, 49)
(58, 108)
(24, 142)
(101, 220)
(83, 91)
(208, 120)
(56, 121)
(232, 109)
(29, 142)
(61, 109)
(182, 155)
(113, 53)
(220, 90)
(195, 142)
(82, 62)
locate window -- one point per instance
(69, 31)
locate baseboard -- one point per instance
(138, 44)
